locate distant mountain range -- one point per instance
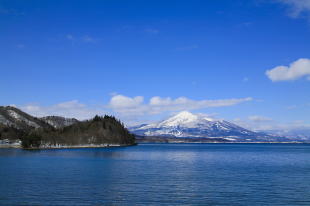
(299, 133)
(18, 127)
(189, 127)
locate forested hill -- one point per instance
(44, 133)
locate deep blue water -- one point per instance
(158, 174)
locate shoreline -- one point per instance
(123, 145)
(224, 142)
(67, 147)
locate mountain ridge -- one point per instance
(188, 126)
(14, 117)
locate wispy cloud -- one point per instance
(151, 31)
(81, 39)
(89, 39)
(256, 122)
(20, 46)
(157, 105)
(297, 7)
(4, 11)
(291, 107)
(129, 109)
(66, 109)
(257, 118)
(296, 70)
(262, 123)
(245, 79)
(70, 37)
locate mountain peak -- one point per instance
(185, 115)
(181, 118)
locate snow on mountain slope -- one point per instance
(188, 125)
(182, 119)
(59, 122)
(11, 116)
(19, 117)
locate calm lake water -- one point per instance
(158, 174)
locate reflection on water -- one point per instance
(158, 174)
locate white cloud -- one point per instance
(129, 109)
(257, 118)
(256, 123)
(158, 101)
(298, 7)
(296, 70)
(156, 105)
(120, 101)
(66, 109)
(261, 123)
(245, 79)
(88, 39)
(20, 46)
(79, 39)
(69, 37)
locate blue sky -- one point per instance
(145, 60)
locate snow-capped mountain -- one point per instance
(188, 125)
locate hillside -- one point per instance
(59, 122)
(97, 131)
(13, 117)
(53, 131)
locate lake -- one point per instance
(158, 174)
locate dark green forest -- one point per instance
(99, 130)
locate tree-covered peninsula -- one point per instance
(59, 132)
